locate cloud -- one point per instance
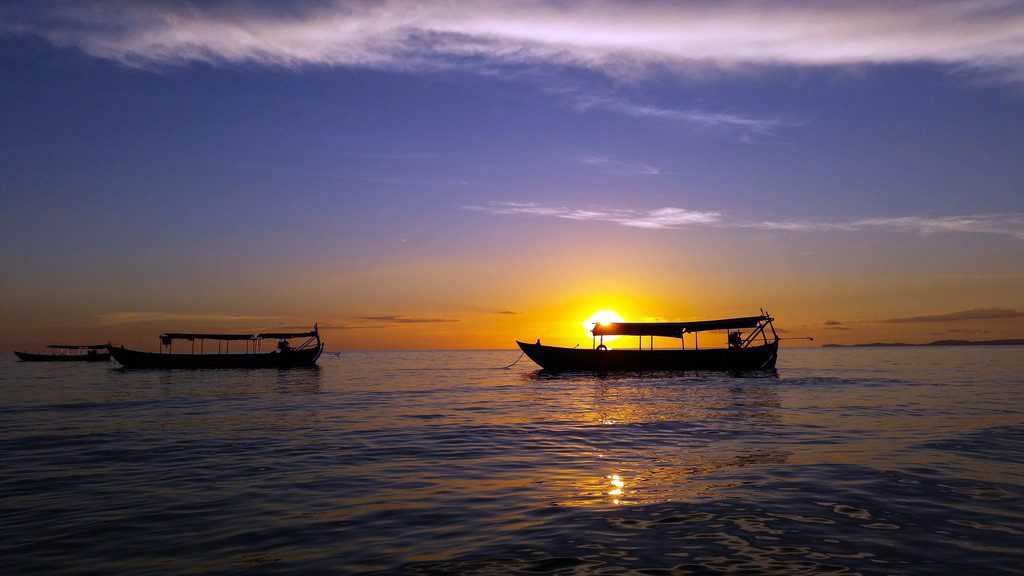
(835, 325)
(409, 320)
(117, 318)
(973, 314)
(336, 326)
(697, 118)
(659, 218)
(616, 167)
(617, 39)
(1009, 224)
(508, 312)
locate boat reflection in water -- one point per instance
(755, 351)
(285, 356)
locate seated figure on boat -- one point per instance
(735, 339)
(284, 346)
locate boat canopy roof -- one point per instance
(77, 346)
(287, 335)
(168, 336)
(675, 329)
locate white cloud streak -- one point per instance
(1008, 224)
(697, 118)
(612, 166)
(651, 219)
(615, 38)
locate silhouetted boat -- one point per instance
(60, 353)
(283, 357)
(741, 354)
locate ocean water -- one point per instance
(844, 461)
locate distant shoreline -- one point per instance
(1008, 342)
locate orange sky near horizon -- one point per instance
(484, 281)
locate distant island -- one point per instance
(1010, 342)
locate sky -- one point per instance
(434, 174)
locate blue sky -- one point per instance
(159, 157)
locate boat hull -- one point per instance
(98, 357)
(135, 359)
(556, 359)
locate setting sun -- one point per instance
(602, 317)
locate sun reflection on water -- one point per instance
(615, 492)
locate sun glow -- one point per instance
(602, 317)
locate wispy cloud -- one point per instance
(336, 326)
(409, 319)
(612, 166)
(659, 218)
(1008, 224)
(117, 318)
(973, 314)
(508, 312)
(697, 118)
(618, 39)
(835, 325)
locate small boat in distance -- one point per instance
(68, 353)
(284, 356)
(742, 352)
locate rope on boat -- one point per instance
(770, 358)
(514, 363)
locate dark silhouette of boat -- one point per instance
(741, 354)
(284, 356)
(68, 353)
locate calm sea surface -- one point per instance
(894, 461)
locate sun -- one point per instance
(602, 317)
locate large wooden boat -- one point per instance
(68, 353)
(755, 351)
(285, 356)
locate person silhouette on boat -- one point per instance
(735, 340)
(284, 347)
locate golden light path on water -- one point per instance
(615, 492)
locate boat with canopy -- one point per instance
(752, 350)
(248, 351)
(68, 353)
